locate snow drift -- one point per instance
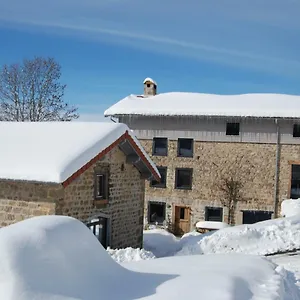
(267, 237)
(290, 207)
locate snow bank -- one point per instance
(130, 254)
(290, 207)
(160, 242)
(191, 104)
(262, 238)
(53, 151)
(211, 225)
(220, 277)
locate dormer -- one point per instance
(150, 87)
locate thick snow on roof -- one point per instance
(53, 151)
(196, 104)
(148, 79)
(290, 207)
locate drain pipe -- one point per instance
(276, 169)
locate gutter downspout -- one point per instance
(277, 168)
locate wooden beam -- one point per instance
(132, 159)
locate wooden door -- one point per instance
(182, 219)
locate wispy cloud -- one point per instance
(253, 34)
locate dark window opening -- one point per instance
(148, 85)
(254, 216)
(160, 146)
(182, 213)
(101, 187)
(163, 180)
(214, 214)
(232, 128)
(185, 147)
(296, 130)
(183, 179)
(295, 182)
(156, 212)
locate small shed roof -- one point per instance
(57, 151)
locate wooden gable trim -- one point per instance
(100, 155)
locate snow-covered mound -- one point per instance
(211, 225)
(130, 254)
(262, 238)
(160, 242)
(219, 277)
(290, 207)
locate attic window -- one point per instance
(101, 187)
(296, 130)
(232, 128)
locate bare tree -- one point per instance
(32, 92)
(231, 187)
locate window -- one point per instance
(183, 179)
(185, 147)
(156, 212)
(232, 128)
(160, 146)
(214, 214)
(182, 213)
(254, 216)
(99, 227)
(163, 179)
(148, 85)
(295, 182)
(101, 186)
(296, 130)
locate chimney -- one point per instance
(150, 87)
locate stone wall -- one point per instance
(253, 164)
(20, 200)
(126, 199)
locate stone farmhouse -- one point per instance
(199, 140)
(94, 172)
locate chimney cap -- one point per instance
(148, 79)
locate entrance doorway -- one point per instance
(182, 219)
(99, 227)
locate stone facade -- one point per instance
(20, 199)
(253, 163)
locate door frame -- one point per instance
(174, 215)
(108, 227)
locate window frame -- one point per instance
(232, 124)
(177, 170)
(164, 204)
(160, 185)
(207, 208)
(105, 187)
(178, 147)
(153, 146)
(296, 129)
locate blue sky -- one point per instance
(107, 47)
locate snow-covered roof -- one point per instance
(148, 79)
(54, 151)
(196, 104)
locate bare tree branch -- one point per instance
(32, 92)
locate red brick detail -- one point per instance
(105, 151)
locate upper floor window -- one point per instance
(163, 179)
(160, 146)
(101, 186)
(183, 178)
(185, 147)
(232, 128)
(295, 182)
(296, 130)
